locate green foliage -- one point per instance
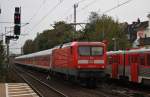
(28, 47)
(99, 28)
(61, 33)
(105, 28)
(2, 53)
(2, 58)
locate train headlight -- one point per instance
(83, 62)
(98, 61)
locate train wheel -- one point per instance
(91, 83)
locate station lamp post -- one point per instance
(115, 43)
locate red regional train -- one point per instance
(131, 65)
(84, 61)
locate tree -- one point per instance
(2, 53)
(99, 28)
(105, 28)
(61, 33)
(28, 47)
(64, 31)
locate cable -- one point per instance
(119, 5)
(70, 8)
(15, 48)
(67, 18)
(89, 4)
(50, 11)
(35, 14)
(81, 1)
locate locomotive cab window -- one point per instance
(90, 51)
(96, 51)
(84, 51)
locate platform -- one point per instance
(16, 90)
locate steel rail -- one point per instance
(50, 87)
(35, 90)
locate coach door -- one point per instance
(134, 67)
(115, 66)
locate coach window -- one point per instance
(45, 58)
(110, 60)
(84, 50)
(142, 60)
(119, 58)
(129, 58)
(148, 59)
(96, 51)
(42, 58)
(71, 49)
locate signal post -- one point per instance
(16, 30)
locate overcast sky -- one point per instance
(40, 14)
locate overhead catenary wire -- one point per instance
(83, 8)
(111, 9)
(49, 12)
(46, 15)
(86, 6)
(118, 5)
(70, 8)
(81, 1)
(89, 4)
(37, 11)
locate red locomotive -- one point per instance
(132, 65)
(85, 61)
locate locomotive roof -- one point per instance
(87, 43)
(49, 51)
(41, 53)
(114, 52)
(128, 51)
(139, 51)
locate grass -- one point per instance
(6, 75)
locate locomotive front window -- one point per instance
(90, 51)
(84, 51)
(96, 51)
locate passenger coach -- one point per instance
(132, 65)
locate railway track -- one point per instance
(71, 89)
(83, 91)
(125, 89)
(41, 88)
